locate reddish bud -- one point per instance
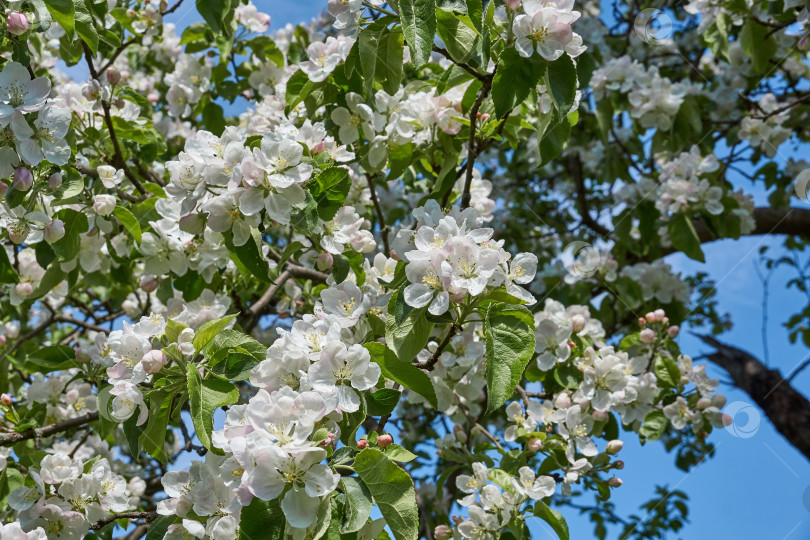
(384, 440)
(362, 443)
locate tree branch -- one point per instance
(146, 516)
(787, 409)
(8, 439)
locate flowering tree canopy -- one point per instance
(396, 273)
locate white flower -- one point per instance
(548, 31)
(534, 487)
(346, 369)
(341, 230)
(127, 398)
(110, 176)
(551, 341)
(678, 413)
(18, 92)
(306, 478)
(577, 428)
(57, 468)
(104, 205)
(358, 115)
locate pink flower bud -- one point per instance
(659, 314)
(24, 289)
(650, 316)
(642, 321)
(192, 223)
(23, 179)
(54, 181)
(12, 330)
(600, 416)
(153, 361)
(5, 399)
(704, 403)
(148, 285)
(442, 532)
(152, 97)
(647, 336)
(614, 447)
(514, 5)
(362, 443)
(672, 331)
(325, 261)
(16, 23)
(563, 401)
(54, 231)
(3, 189)
(615, 482)
(384, 440)
(619, 464)
(2, 340)
(113, 76)
(577, 323)
(318, 148)
(535, 445)
(665, 320)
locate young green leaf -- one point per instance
(393, 491)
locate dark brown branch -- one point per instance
(575, 166)
(462, 65)
(380, 215)
(8, 439)
(787, 409)
(434, 358)
(472, 151)
(146, 516)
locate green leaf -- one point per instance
(205, 396)
(382, 402)
(157, 530)
(404, 373)
(85, 26)
(53, 277)
(262, 519)
(458, 33)
(67, 248)
(154, 435)
(666, 369)
(330, 190)
(368, 44)
(10, 479)
(227, 340)
(53, 358)
(419, 27)
(209, 330)
(62, 12)
(393, 492)
(389, 61)
(685, 238)
(357, 508)
(655, 424)
(515, 78)
(250, 255)
(129, 222)
(755, 44)
(304, 216)
(213, 118)
(475, 10)
(7, 272)
(509, 347)
(552, 141)
(561, 83)
(217, 13)
(236, 366)
(553, 518)
(395, 452)
(406, 329)
(351, 422)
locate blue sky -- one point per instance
(755, 487)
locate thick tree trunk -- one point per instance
(787, 409)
